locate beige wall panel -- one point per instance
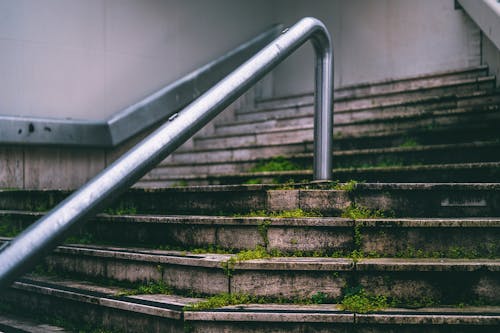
(11, 167)
(66, 168)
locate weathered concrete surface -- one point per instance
(11, 167)
(66, 168)
(414, 237)
(389, 237)
(384, 86)
(22, 324)
(197, 273)
(312, 234)
(83, 302)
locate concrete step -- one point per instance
(385, 86)
(85, 302)
(396, 199)
(325, 236)
(474, 130)
(404, 280)
(481, 172)
(340, 118)
(304, 133)
(222, 162)
(14, 323)
(443, 101)
(404, 96)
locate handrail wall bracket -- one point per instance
(23, 252)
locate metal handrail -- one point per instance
(23, 252)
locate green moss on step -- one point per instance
(359, 301)
(355, 212)
(294, 213)
(121, 209)
(221, 300)
(152, 287)
(409, 142)
(278, 163)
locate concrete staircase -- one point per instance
(411, 245)
(406, 130)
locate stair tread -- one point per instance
(286, 263)
(20, 324)
(172, 306)
(427, 87)
(350, 152)
(408, 101)
(414, 115)
(276, 118)
(385, 82)
(327, 221)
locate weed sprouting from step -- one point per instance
(278, 163)
(81, 238)
(121, 209)
(227, 299)
(9, 227)
(221, 300)
(348, 186)
(359, 301)
(355, 212)
(210, 249)
(258, 253)
(150, 288)
(294, 213)
(253, 181)
(409, 142)
(263, 227)
(319, 298)
(357, 236)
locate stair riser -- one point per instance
(294, 280)
(430, 156)
(389, 98)
(416, 105)
(85, 311)
(421, 122)
(405, 200)
(42, 304)
(466, 132)
(358, 92)
(408, 84)
(479, 174)
(243, 154)
(457, 134)
(376, 158)
(460, 175)
(339, 119)
(460, 238)
(255, 326)
(409, 96)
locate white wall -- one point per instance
(491, 57)
(380, 39)
(90, 58)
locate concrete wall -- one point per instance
(486, 14)
(90, 58)
(491, 57)
(381, 39)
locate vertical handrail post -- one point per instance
(323, 108)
